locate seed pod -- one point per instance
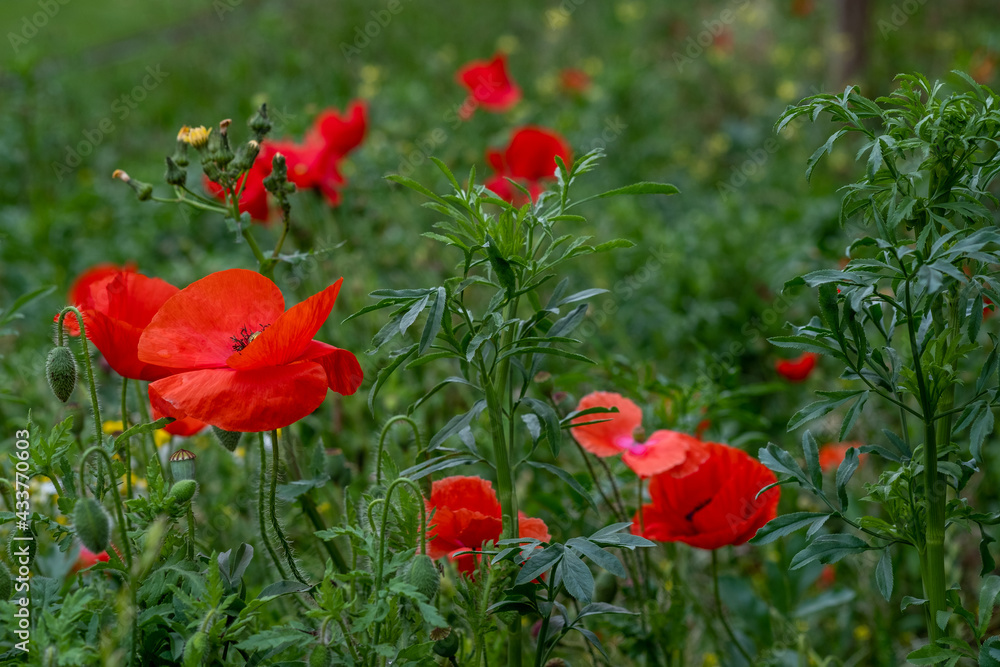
(184, 490)
(448, 646)
(6, 582)
(182, 464)
(228, 439)
(424, 576)
(60, 369)
(320, 657)
(93, 525)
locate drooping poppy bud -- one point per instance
(60, 371)
(424, 576)
(92, 524)
(447, 646)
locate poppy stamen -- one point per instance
(246, 336)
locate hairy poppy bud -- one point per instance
(182, 464)
(508, 617)
(18, 549)
(228, 439)
(60, 370)
(447, 647)
(424, 576)
(92, 524)
(320, 657)
(260, 123)
(6, 584)
(175, 175)
(184, 490)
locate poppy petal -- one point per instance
(288, 337)
(609, 437)
(529, 527)
(248, 400)
(343, 371)
(192, 331)
(663, 451)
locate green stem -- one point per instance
(309, 507)
(286, 547)
(381, 442)
(165, 473)
(119, 508)
(98, 422)
(190, 533)
(127, 453)
(260, 508)
(718, 607)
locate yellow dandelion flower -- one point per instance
(196, 136)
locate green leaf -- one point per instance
(598, 555)
(852, 415)
(554, 351)
(828, 305)
(456, 424)
(642, 188)
(576, 576)
(384, 373)
(539, 564)
(778, 460)
(434, 318)
(553, 433)
(810, 450)
(279, 588)
(981, 427)
(786, 524)
(595, 608)
(566, 477)
(828, 549)
(505, 274)
(844, 473)
(436, 465)
(931, 654)
(988, 593)
(817, 409)
(20, 302)
(883, 575)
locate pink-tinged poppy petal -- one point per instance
(663, 451)
(195, 328)
(529, 527)
(343, 371)
(609, 437)
(248, 401)
(290, 334)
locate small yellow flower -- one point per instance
(160, 437)
(711, 660)
(111, 427)
(862, 633)
(196, 136)
(241, 451)
(182, 134)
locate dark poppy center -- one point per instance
(689, 517)
(245, 336)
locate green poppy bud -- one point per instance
(60, 370)
(93, 525)
(229, 439)
(182, 464)
(6, 582)
(424, 576)
(320, 657)
(184, 490)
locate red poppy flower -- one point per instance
(489, 84)
(574, 81)
(116, 308)
(88, 558)
(241, 361)
(467, 514)
(662, 451)
(712, 506)
(827, 577)
(798, 369)
(184, 428)
(832, 455)
(529, 159)
(79, 291)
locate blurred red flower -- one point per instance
(88, 558)
(832, 455)
(117, 305)
(489, 85)
(467, 514)
(574, 80)
(662, 451)
(314, 163)
(529, 159)
(713, 505)
(798, 369)
(240, 361)
(79, 291)
(803, 7)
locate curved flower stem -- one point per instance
(119, 509)
(127, 454)
(309, 507)
(98, 423)
(382, 534)
(165, 472)
(381, 441)
(719, 610)
(260, 508)
(276, 462)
